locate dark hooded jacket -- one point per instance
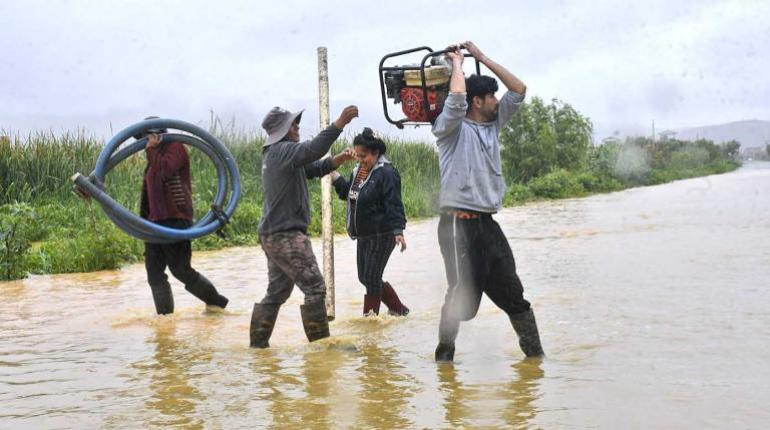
(377, 208)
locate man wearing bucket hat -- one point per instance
(167, 200)
(287, 163)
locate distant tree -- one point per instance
(730, 149)
(767, 149)
(541, 138)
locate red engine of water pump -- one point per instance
(413, 103)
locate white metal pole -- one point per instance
(326, 187)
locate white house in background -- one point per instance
(666, 135)
(611, 140)
(753, 154)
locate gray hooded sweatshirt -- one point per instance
(286, 167)
(469, 155)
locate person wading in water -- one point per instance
(167, 200)
(477, 256)
(375, 218)
(287, 164)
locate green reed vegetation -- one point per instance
(547, 153)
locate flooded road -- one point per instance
(652, 306)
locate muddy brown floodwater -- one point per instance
(652, 305)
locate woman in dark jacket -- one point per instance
(375, 217)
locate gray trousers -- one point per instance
(290, 261)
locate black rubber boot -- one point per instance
(203, 289)
(445, 352)
(447, 333)
(262, 322)
(315, 321)
(163, 298)
(526, 328)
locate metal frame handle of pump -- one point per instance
(431, 53)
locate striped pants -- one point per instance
(372, 255)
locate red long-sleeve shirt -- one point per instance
(166, 189)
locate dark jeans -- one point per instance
(477, 259)
(175, 255)
(372, 255)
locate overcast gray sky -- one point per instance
(99, 64)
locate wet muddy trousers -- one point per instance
(263, 317)
(201, 288)
(389, 297)
(524, 325)
(176, 256)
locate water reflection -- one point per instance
(172, 396)
(298, 391)
(470, 404)
(385, 389)
(455, 396)
(522, 393)
(319, 378)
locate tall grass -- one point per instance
(69, 235)
(74, 236)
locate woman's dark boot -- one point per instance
(391, 300)
(315, 320)
(262, 322)
(204, 290)
(372, 304)
(163, 298)
(526, 328)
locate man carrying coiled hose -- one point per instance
(167, 201)
(287, 163)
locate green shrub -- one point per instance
(102, 248)
(598, 183)
(517, 194)
(558, 184)
(17, 226)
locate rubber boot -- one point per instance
(526, 328)
(371, 304)
(447, 333)
(391, 300)
(163, 298)
(262, 322)
(445, 352)
(314, 320)
(203, 289)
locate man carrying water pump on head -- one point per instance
(477, 256)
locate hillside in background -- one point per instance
(751, 133)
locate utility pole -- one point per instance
(326, 187)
